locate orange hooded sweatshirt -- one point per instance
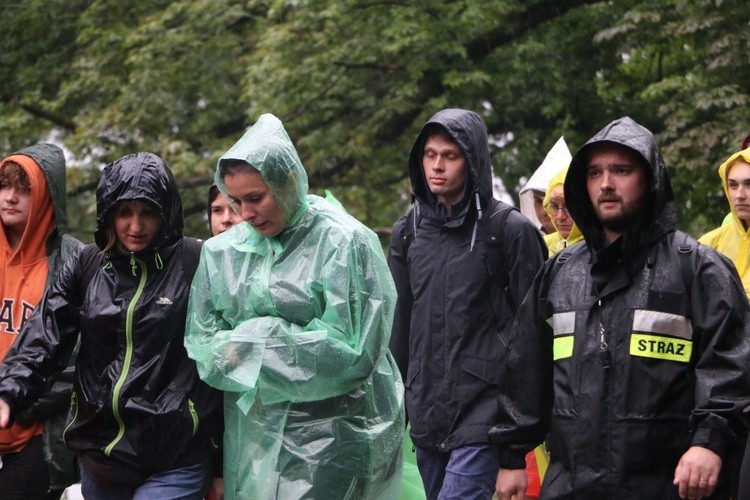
(23, 275)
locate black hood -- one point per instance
(470, 133)
(144, 177)
(649, 228)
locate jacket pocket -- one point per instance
(414, 396)
(479, 380)
(483, 371)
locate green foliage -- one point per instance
(354, 80)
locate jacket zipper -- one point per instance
(74, 408)
(606, 359)
(604, 353)
(127, 360)
(194, 415)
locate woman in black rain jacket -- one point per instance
(141, 421)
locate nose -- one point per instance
(741, 192)
(226, 217)
(436, 163)
(606, 182)
(247, 212)
(562, 213)
(11, 195)
(136, 223)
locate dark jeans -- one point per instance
(466, 473)
(183, 483)
(24, 475)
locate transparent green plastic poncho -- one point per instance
(295, 330)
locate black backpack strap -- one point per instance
(409, 230)
(495, 239)
(191, 255)
(685, 246)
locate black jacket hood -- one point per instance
(650, 227)
(145, 177)
(470, 133)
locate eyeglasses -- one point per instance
(555, 208)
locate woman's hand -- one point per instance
(4, 414)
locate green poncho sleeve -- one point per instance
(326, 347)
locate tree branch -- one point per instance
(58, 120)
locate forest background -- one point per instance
(354, 81)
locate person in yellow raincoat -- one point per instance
(290, 314)
(733, 239)
(566, 232)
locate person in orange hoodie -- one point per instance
(33, 246)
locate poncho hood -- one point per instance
(724, 170)
(266, 146)
(575, 234)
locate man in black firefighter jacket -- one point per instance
(630, 353)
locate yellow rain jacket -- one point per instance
(295, 328)
(733, 240)
(555, 242)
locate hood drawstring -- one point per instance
(476, 223)
(157, 260)
(133, 267)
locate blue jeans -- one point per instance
(468, 472)
(183, 483)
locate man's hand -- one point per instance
(4, 414)
(697, 473)
(511, 484)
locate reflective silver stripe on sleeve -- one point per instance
(563, 323)
(663, 323)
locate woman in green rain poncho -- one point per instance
(290, 315)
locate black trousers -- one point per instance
(24, 475)
(744, 489)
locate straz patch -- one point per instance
(563, 327)
(660, 335)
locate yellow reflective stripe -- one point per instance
(563, 323)
(657, 347)
(562, 347)
(664, 323)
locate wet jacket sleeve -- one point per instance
(46, 341)
(399, 343)
(284, 359)
(525, 393)
(721, 329)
